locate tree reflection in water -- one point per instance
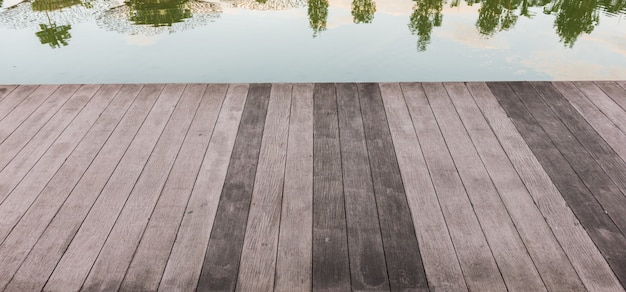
(363, 11)
(54, 35)
(158, 12)
(426, 15)
(318, 13)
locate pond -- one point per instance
(154, 41)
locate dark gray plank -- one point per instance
(221, 263)
(404, 262)
(331, 270)
(366, 256)
(13, 99)
(614, 91)
(601, 228)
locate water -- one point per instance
(147, 41)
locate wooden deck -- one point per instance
(295, 187)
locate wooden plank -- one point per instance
(258, 258)
(74, 266)
(515, 264)
(614, 91)
(404, 262)
(467, 235)
(23, 237)
(554, 267)
(368, 269)
(13, 99)
(611, 109)
(621, 83)
(148, 264)
(22, 196)
(331, 270)
(605, 127)
(221, 263)
(600, 227)
(444, 272)
(6, 90)
(185, 262)
(44, 256)
(110, 266)
(592, 269)
(293, 265)
(10, 121)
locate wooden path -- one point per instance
(331, 187)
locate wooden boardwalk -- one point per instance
(331, 187)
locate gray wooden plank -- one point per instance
(614, 91)
(24, 235)
(23, 195)
(148, 263)
(602, 229)
(6, 90)
(13, 99)
(368, 270)
(12, 120)
(107, 273)
(593, 270)
(473, 251)
(330, 268)
(605, 127)
(74, 266)
(551, 262)
(516, 266)
(185, 262)
(440, 259)
(621, 83)
(609, 107)
(293, 263)
(258, 258)
(402, 254)
(44, 256)
(221, 263)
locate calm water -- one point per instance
(143, 41)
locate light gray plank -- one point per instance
(9, 121)
(611, 109)
(440, 259)
(185, 262)
(49, 249)
(591, 267)
(621, 83)
(293, 265)
(113, 260)
(614, 91)
(515, 264)
(258, 258)
(548, 256)
(6, 90)
(474, 254)
(13, 99)
(148, 264)
(75, 264)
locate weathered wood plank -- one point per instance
(44, 256)
(221, 263)
(611, 109)
(474, 254)
(404, 262)
(185, 262)
(9, 121)
(6, 90)
(258, 258)
(516, 266)
(593, 270)
(600, 227)
(293, 265)
(13, 99)
(554, 267)
(331, 270)
(148, 263)
(117, 252)
(368, 269)
(614, 91)
(74, 266)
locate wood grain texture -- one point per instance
(331, 270)
(368, 269)
(74, 266)
(50, 247)
(601, 228)
(614, 91)
(9, 121)
(592, 269)
(607, 105)
(113, 260)
(185, 262)
(293, 263)
(474, 254)
(148, 263)
(223, 255)
(516, 266)
(13, 99)
(551, 262)
(258, 258)
(6, 90)
(402, 253)
(440, 259)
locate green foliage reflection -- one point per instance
(426, 15)
(573, 18)
(53, 35)
(318, 13)
(158, 12)
(363, 11)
